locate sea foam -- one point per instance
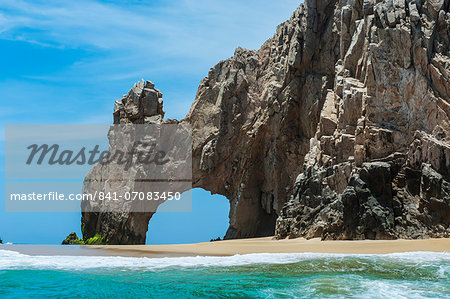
(11, 260)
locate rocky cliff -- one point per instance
(378, 166)
(338, 127)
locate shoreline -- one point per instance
(269, 245)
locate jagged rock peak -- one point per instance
(142, 104)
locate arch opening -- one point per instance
(208, 219)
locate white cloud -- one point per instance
(158, 41)
(186, 27)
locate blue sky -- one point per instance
(67, 61)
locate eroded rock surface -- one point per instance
(378, 166)
(338, 127)
(255, 113)
(142, 104)
(146, 155)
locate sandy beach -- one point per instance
(268, 245)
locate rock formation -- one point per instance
(338, 127)
(143, 103)
(122, 221)
(378, 166)
(71, 239)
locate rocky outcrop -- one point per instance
(72, 239)
(119, 214)
(378, 166)
(338, 127)
(142, 104)
(255, 113)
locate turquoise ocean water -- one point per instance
(403, 275)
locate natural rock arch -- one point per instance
(298, 119)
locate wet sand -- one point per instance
(242, 246)
(56, 250)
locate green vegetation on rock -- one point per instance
(72, 239)
(96, 240)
